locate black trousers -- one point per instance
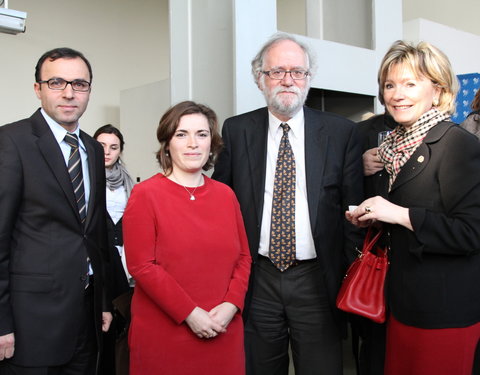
(291, 308)
(84, 360)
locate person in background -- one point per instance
(369, 337)
(119, 187)
(472, 122)
(53, 244)
(294, 171)
(430, 206)
(188, 253)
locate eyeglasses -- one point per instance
(61, 84)
(279, 74)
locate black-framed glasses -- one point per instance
(60, 84)
(297, 74)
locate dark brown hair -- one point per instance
(476, 101)
(110, 129)
(60, 53)
(169, 124)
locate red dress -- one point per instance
(184, 253)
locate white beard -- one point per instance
(287, 107)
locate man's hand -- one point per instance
(7, 346)
(107, 318)
(371, 162)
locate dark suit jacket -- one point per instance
(434, 277)
(334, 176)
(43, 245)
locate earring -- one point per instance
(435, 102)
(167, 154)
(211, 153)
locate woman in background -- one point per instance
(430, 207)
(187, 249)
(472, 122)
(119, 187)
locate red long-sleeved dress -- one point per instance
(184, 253)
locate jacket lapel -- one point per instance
(256, 141)
(92, 175)
(316, 147)
(49, 148)
(420, 158)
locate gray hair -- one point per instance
(257, 62)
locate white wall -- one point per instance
(201, 53)
(125, 41)
(461, 47)
(340, 67)
(141, 109)
(459, 14)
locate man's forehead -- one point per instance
(291, 55)
(70, 66)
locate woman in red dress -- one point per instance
(187, 250)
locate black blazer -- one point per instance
(434, 277)
(334, 177)
(43, 245)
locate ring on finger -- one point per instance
(368, 210)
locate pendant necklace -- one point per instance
(190, 193)
(192, 196)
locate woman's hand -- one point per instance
(379, 209)
(371, 162)
(202, 324)
(223, 313)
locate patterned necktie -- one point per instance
(282, 232)
(76, 175)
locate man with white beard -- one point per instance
(294, 170)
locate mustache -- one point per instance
(293, 89)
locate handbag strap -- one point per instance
(369, 242)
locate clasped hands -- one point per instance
(209, 324)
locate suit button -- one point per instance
(83, 278)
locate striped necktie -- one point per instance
(76, 175)
(282, 232)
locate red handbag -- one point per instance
(363, 288)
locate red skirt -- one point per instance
(418, 351)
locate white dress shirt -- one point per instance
(59, 133)
(305, 248)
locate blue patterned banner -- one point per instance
(469, 85)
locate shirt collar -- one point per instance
(59, 131)
(295, 123)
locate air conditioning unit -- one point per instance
(12, 21)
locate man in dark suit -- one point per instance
(52, 229)
(294, 170)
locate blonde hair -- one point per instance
(424, 60)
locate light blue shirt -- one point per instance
(59, 133)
